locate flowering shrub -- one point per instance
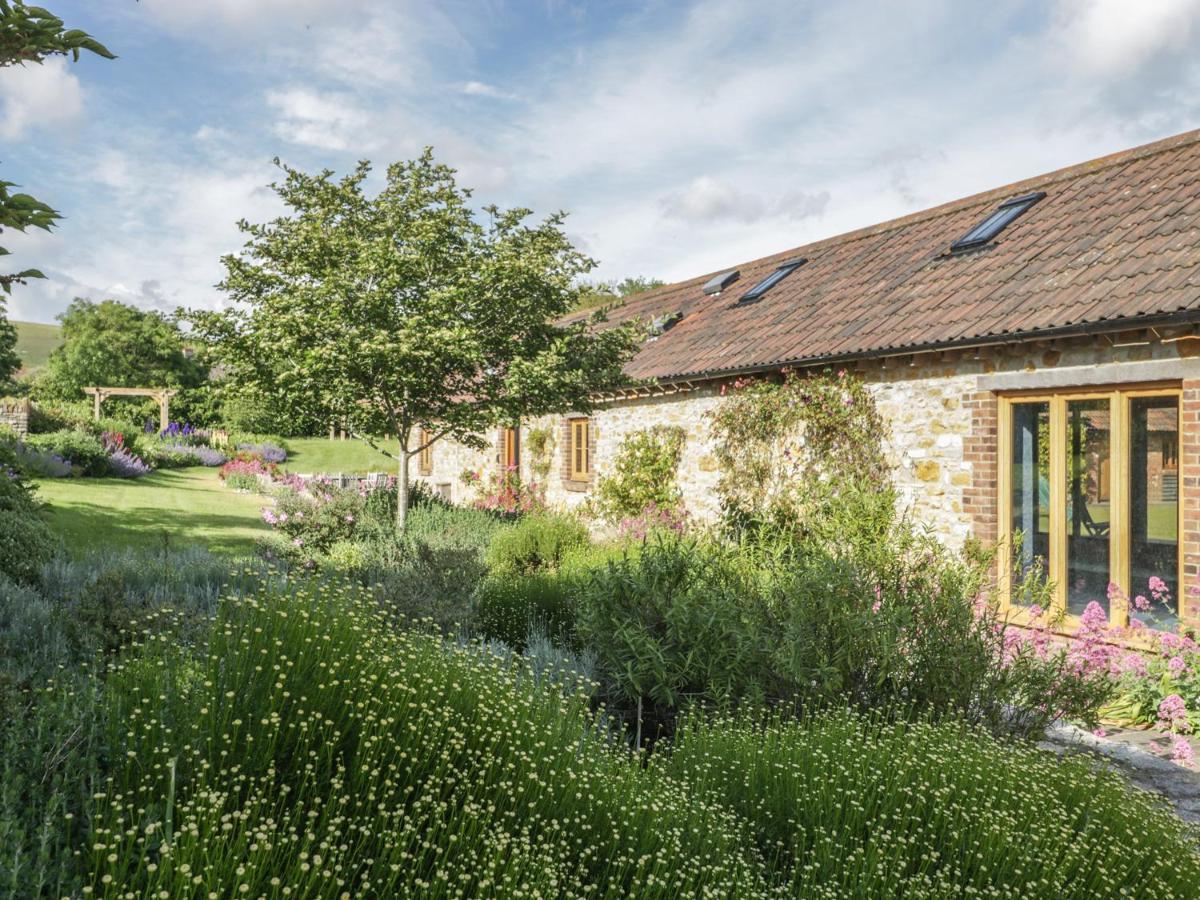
(189, 454)
(653, 518)
(86, 453)
(266, 451)
(122, 463)
(642, 474)
(184, 433)
(782, 447)
(42, 464)
(852, 807)
(313, 522)
(243, 474)
(508, 494)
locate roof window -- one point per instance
(782, 272)
(720, 281)
(986, 230)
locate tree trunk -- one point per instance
(402, 490)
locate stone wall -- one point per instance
(14, 414)
(942, 423)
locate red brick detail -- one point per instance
(1189, 496)
(980, 449)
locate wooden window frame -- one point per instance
(1119, 397)
(510, 448)
(425, 455)
(579, 453)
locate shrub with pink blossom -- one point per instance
(654, 518)
(243, 474)
(312, 521)
(507, 493)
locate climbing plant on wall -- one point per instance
(782, 444)
(540, 443)
(643, 474)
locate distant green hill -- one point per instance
(34, 343)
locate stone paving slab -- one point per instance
(1131, 751)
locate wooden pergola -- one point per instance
(162, 395)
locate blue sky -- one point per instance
(680, 137)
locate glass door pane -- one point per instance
(1089, 494)
(1154, 510)
(1029, 530)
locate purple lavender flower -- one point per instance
(124, 464)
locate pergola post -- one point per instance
(162, 395)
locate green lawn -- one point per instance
(311, 456)
(34, 343)
(180, 507)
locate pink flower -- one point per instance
(1099, 732)
(1157, 585)
(350, 519)
(1176, 665)
(1173, 714)
(876, 606)
(297, 542)
(1141, 602)
(1182, 752)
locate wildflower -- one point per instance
(1173, 714)
(1099, 732)
(1141, 602)
(1182, 752)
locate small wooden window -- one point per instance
(425, 457)
(579, 449)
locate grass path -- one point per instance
(310, 456)
(179, 507)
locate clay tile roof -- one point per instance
(1114, 243)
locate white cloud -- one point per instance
(707, 199)
(325, 120)
(37, 96)
(481, 89)
(267, 15)
(1113, 37)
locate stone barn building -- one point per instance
(1035, 350)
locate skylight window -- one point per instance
(784, 270)
(986, 230)
(720, 281)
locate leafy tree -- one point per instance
(29, 34)
(611, 293)
(114, 344)
(9, 360)
(403, 314)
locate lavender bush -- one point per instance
(41, 464)
(266, 451)
(199, 455)
(123, 464)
